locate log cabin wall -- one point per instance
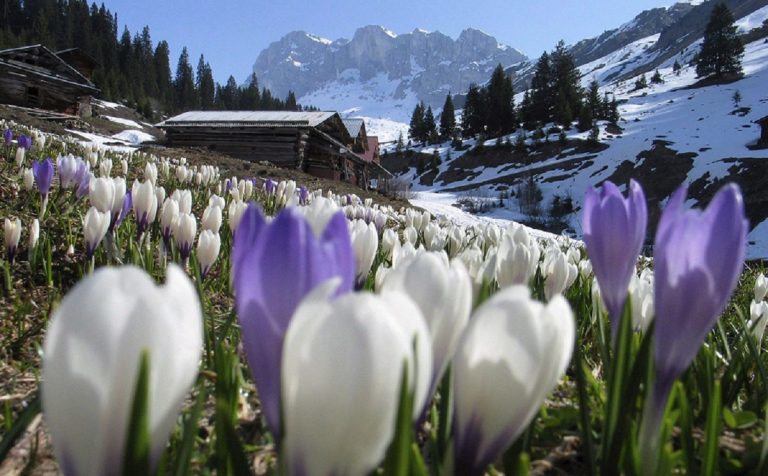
(33, 76)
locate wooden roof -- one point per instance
(353, 125)
(38, 60)
(248, 119)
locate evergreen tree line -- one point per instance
(555, 96)
(129, 67)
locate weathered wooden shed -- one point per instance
(34, 76)
(315, 142)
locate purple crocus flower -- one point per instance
(614, 231)
(127, 207)
(43, 172)
(25, 142)
(84, 181)
(698, 257)
(270, 186)
(303, 195)
(274, 266)
(8, 137)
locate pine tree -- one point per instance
(447, 118)
(205, 84)
(184, 84)
(566, 85)
(641, 83)
(656, 78)
(430, 127)
(230, 97)
(542, 96)
(473, 117)
(500, 106)
(722, 49)
(416, 126)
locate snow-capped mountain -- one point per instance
(378, 71)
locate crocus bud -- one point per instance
(124, 167)
(614, 231)
(211, 218)
(697, 253)
(92, 352)
(105, 167)
(34, 234)
(389, 240)
(184, 231)
(365, 242)
(12, 234)
(758, 317)
(20, 153)
(67, 165)
(95, 226)
(43, 171)
(28, 179)
(168, 215)
(445, 300)
(120, 189)
(144, 204)
(150, 173)
(357, 342)
(208, 246)
(511, 356)
(274, 266)
(761, 287)
(159, 193)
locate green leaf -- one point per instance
(739, 420)
(137, 444)
(712, 433)
(397, 462)
(19, 426)
(190, 433)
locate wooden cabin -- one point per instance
(82, 62)
(34, 76)
(315, 142)
(763, 140)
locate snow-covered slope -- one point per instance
(672, 133)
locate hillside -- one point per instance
(669, 134)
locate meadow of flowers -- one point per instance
(164, 319)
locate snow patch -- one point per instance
(125, 122)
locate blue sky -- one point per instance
(231, 33)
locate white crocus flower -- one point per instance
(443, 292)
(95, 226)
(761, 287)
(144, 202)
(124, 167)
(758, 317)
(105, 167)
(558, 273)
(34, 234)
(517, 257)
(235, 213)
(410, 235)
(120, 189)
(184, 199)
(12, 235)
(101, 192)
(389, 241)
(91, 360)
(28, 179)
(184, 231)
(511, 356)
(365, 243)
(208, 246)
(215, 200)
(360, 343)
(20, 153)
(168, 214)
(211, 218)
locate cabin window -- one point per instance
(33, 96)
